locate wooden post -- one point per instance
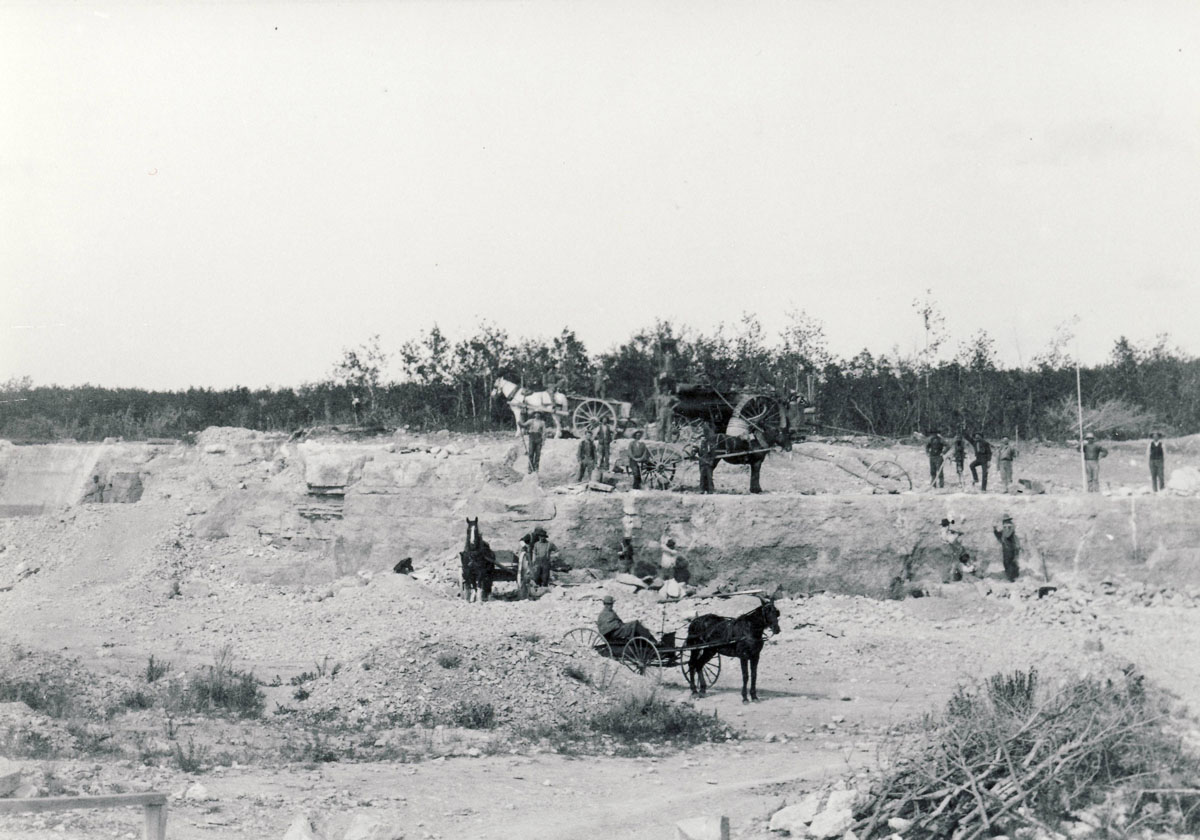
(156, 821)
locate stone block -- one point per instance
(702, 828)
(10, 776)
(794, 819)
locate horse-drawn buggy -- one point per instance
(745, 426)
(705, 640)
(564, 411)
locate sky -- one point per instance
(212, 194)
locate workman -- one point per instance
(1010, 546)
(983, 457)
(541, 550)
(1157, 469)
(960, 454)
(934, 449)
(614, 630)
(604, 439)
(587, 456)
(1005, 458)
(637, 454)
(535, 432)
(706, 449)
(1092, 453)
(95, 493)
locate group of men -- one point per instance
(936, 448)
(1010, 547)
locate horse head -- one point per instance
(503, 388)
(473, 537)
(770, 613)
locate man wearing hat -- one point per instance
(604, 439)
(1157, 461)
(983, 457)
(535, 431)
(1092, 453)
(934, 449)
(1010, 546)
(540, 551)
(1005, 459)
(637, 454)
(616, 631)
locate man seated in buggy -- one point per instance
(617, 632)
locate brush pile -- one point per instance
(1093, 754)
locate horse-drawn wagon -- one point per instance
(706, 639)
(576, 412)
(746, 424)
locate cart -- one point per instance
(639, 655)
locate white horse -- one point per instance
(524, 402)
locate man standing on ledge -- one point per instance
(535, 430)
(638, 454)
(1010, 546)
(1092, 453)
(587, 456)
(934, 449)
(983, 457)
(1157, 469)
(1005, 459)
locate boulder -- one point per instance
(10, 776)
(702, 828)
(831, 823)
(794, 819)
(1184, 480)
(367, 827)
(197, 792)
(301, 829)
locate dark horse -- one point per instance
(741, 637)
(777, 427)
(477, 559)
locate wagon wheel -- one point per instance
(889, 470)
(711, 669)
(589, 654)
(659, 468)
(640, 655)
(588, 414)
(759, 411)
(686, 431)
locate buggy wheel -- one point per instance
(640, 656)
(588, 414)
(892, 473)
(658, 471)
(711, 669)
(589, 654)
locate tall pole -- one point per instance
(1079, 406)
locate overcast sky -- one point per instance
(230, 193)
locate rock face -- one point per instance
(365, 827)
(10, 777)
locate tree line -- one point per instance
(445, 383)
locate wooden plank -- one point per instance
(156, 822)
(70, 803)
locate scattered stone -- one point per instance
(1184, 480)
(197, 792)
(899, 824)
(831, 823)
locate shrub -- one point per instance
(192, 759)
(449, 660)
(223, 689)
(649, 718)
(156, 670)
(577, 673)
(473, 714)
(50, 695)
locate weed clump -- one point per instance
(642, 718)
(156, 669)
(220, 688)
(472, 714)
(449, 660)
(1011, 755)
